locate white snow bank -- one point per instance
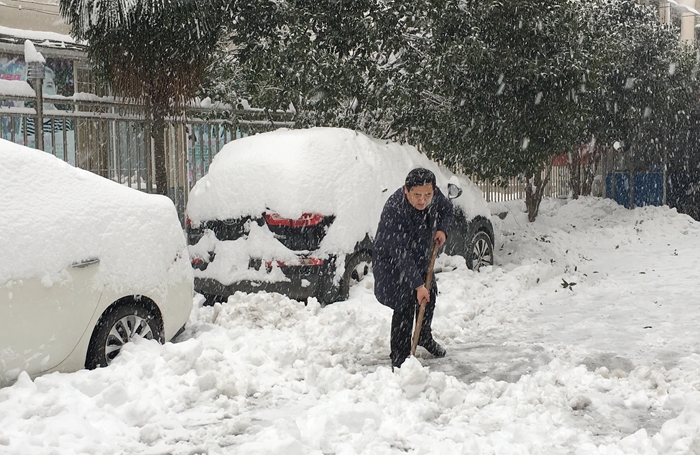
(609, 367)
(54, 215)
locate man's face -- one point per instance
(419, 196)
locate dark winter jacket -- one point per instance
(403, 244)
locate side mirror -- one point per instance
(453, 191)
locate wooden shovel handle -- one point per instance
(421, 310)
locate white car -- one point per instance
(295, 212)
(86, 265)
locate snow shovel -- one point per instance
(421, 311)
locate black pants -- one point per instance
(405, 313)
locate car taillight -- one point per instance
(196, 261)
(307, 219)
(199, 263)
(297, 263)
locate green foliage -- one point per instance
(490, 87)
(329, 60)
(643, 77)
(503, 90)
(152, 51)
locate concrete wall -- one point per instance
(688, 21)
(37, 15)
(43, 15)
(683, 12)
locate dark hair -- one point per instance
(418, 177)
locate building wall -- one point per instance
(688, 20)
(683, 13)
(37, 15)
(43, 15)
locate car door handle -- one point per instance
(85, 263)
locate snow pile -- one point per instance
(55, 215)
(31, 55)
(606, 366)
(233, 256)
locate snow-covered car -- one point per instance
(295, 212)
(86, 265)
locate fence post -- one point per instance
(665, 176)
(37, 72)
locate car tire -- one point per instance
(356, 268)
(211, 299)
(118, 326)
(480, 251)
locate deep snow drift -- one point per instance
(582, 339)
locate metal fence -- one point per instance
(113, 139)
(558, 186)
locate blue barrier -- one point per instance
(648, 188)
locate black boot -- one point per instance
(434, 348)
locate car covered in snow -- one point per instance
(87, 265)
(296, 211)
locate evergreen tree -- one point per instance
(490, 87)
(641, 81)
(486, 87)
(151, 51)
(500, 97)
(330, 61)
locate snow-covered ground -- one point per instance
(536, 364)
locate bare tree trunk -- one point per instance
(589, 170)
(158, 133)
(583, 164)
(575, 172)
(534, 190)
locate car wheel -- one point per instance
(480, 251)
(355, 270)
(119, 325)
(211, 299)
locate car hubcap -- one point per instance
(482, 254)
(360, 271)
(125, 330)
